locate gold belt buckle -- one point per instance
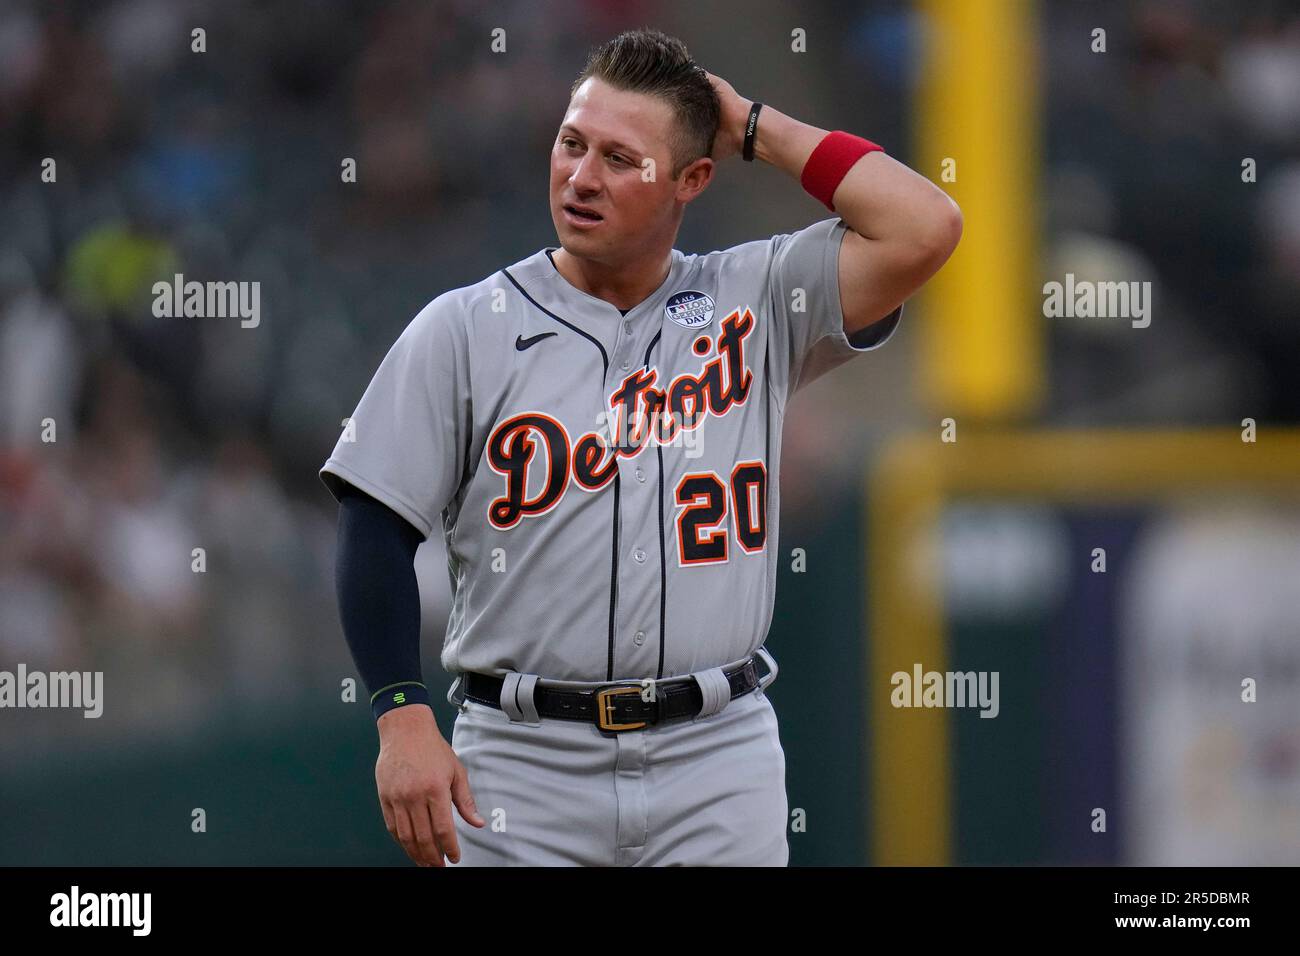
(605, 708)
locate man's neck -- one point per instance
(622, 287)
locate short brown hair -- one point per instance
(647, 61)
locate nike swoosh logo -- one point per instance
(522, 343)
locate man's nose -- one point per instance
(585, 178)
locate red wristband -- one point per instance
(831, 161)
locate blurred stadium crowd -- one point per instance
(1143, 179)
(177, 434)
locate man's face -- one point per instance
(598, 162)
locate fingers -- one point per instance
(464, 799)
(413, 831)
(438, 808)
(417, 805)
(400, 828)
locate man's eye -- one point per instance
(619, 159)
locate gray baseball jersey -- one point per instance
(607, 484)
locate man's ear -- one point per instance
(695, 178)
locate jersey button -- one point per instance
(627, 327)
(639, 639)
(640, 474)
(626, 365)
(638, 556)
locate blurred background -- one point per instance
(1167, 151)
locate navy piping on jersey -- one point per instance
(613, 583)
(767, 447)
(767, 438)
(663, 560)
(604, 361)
(465, 474)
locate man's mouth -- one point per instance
(583, 212)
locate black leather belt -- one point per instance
(615, 708)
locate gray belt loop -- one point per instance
(772, 670)
(716, 690)
(456, 693)
(517, 697)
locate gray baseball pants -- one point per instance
(709, 791)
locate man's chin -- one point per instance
(581, 245)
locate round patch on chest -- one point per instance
(690, 310)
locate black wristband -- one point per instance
(398, 695)
(751, 132)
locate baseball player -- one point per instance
(596, 428)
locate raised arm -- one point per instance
(903, 227)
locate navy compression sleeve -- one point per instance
(379, 600)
